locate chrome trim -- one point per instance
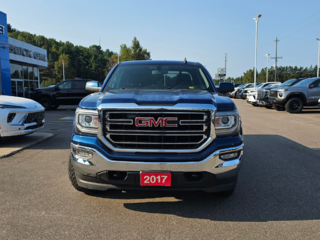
(23, 119)
(216, 153)
(139, 134)
(160, 131)
(118, 107)
(169, 143)
(229, 163)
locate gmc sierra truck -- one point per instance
(156, 125)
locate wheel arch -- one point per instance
(44, 95)
(297, 95)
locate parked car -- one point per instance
(244, 91)
(19, 116)
(145, 131)
(232, 94)
(293, 99)
(235, 93)
(68, 92)
(263, 94)
(253, 92)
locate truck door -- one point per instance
(314, 92)
(79, 90)
(63, 94)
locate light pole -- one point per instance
(255, 56)
(318, 56)
(267, 55)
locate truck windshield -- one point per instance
(304, 83)
(288, 83)
(158, 77)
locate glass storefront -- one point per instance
(24, 80)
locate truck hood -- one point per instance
(46, 88)
(150, 96)
(19, 101)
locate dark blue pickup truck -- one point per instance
(157, 125)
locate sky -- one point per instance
(199, 30)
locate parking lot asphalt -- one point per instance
(277, 195)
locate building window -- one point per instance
(35, 73)
(25, 72)
(16, 71)
(30, 73)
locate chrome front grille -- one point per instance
(273, 93)
(34, 117)
(262, 94)
(184, 130)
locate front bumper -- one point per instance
(276, 100)
(251, 99)
(217, 175)
(18, 126)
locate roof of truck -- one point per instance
(152, 62)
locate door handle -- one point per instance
(69, 91)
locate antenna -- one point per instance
(185, 60)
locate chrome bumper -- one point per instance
(212, 164)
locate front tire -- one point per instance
(294, 105)
(55, 107)
(278, 108)
(46, 103)
(73, 180)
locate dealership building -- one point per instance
(20, 63)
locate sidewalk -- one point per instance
(13, 145)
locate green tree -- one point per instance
(68, 71)
(262, 76)
(134, 52)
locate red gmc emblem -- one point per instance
(149, 122)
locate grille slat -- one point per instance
(191, 130)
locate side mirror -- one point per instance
(56, 88)
(312, 86)
(226, 87)
(93, 86)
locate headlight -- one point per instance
(224, 121)
(87, 121)
(10, 106)
(227, 123)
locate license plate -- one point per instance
(155, 179)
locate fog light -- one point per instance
(229, 156)
(82, 153)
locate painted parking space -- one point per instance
(67, 118)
